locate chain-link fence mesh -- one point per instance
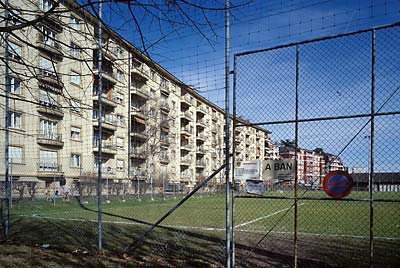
(331, 104)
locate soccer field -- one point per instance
(74, 223)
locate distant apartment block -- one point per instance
(153, 127)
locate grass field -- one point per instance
(198, 226)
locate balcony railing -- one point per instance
(164, 105)
(141, 91)
(107, 99)
(187, 130)
(107, 147)
(200, 163)
(186, 160)
(187, 115)
(50, 108)
(106, 73)
(187, 146)
(49, 167)
(186, 99)
(164, 157)
(141, 173)
(201, 149)
(186, 177)
(50, 139)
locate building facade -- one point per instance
(312, 166)
(154, 128)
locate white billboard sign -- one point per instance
(255, 187)
(247, 170)
(279, 169)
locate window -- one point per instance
(75, 51)
(75, 133)
(75, 78)
(120, 165)
(13, 85)
(75, 160)
(163, 83)
(119, 53)
(120, 75)
(120, 143)
(46, 5)
(48, 161)
(49, 37)
(48, 129)
(119, 98)
(75, 106)
(47, 98)
(15, 154)
(14, 17)
(15, 120)
(47, 67)
(152, 75)
(75, 23)
(120, 120)
(15, 51)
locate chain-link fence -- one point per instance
(329, 104)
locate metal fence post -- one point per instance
(371, 156)
(296, 180)
(7, 117)
(227, 148)
(100, 160)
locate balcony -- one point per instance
(50, 80)
(106, 74)
(138, 153)
(201, 136)
(214, 117)
(187, 116)
(164, 105)
(186, 147)
(50, 109)
(139, 74)
(200, 163)
(164, 124)
(138, 112)
(138, 173)
(51, 20)
(164, 158)
(201, 150)
(186, 100)
(202, 109)
(46, 169)
(186, 177)
(139, 134)
(214, 129)
(107, 148)
(108, 122)
(143, 91)
(186, 131)
(49, 46)
(52, 139)
(186, 161)
(164, 141)
(201, 123)
(106, 99)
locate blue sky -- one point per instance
(333, 81)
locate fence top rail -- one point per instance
(317, 39)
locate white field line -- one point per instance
(212, 228)
(264, 217)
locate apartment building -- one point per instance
(312, 166)
(154, 128)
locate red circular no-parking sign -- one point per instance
(338, 184)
